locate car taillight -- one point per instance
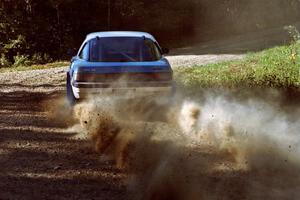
(130, 77)
(75, 76)
(89, 77)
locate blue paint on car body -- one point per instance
(117, 53)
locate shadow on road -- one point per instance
(40, 160)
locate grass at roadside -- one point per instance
(277, 67)
(35, 67)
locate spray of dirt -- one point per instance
(59, 111)
(220, 148)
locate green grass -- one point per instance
(277, 68)
(35, 67)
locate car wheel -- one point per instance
(70, 96)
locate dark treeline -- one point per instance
(43, 30)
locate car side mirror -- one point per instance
(165, 50)
(73, 58)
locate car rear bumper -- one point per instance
(84, 90)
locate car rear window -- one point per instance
(123, 49)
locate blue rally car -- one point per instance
(109, 63)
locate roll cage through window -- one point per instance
(121, 49)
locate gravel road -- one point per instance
(39, 158)
(195, 60)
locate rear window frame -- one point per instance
(158, 48)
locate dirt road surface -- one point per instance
(39, 159)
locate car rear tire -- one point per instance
(70, 96)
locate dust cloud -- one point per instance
(218, 147)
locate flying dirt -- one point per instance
(219, 147)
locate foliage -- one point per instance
(277, 67)
(15, 44)
(21, 60)
(48, 28)
(39, 58)
(4, 61)
(293, 33)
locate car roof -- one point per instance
(119, 34)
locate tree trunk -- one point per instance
(58, 25)
(108, 14)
